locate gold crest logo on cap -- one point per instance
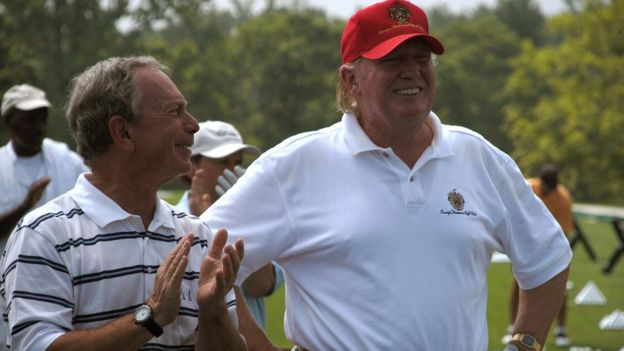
(399, 13)
(456, 199)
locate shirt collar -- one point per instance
(102, 210)
(359, 142)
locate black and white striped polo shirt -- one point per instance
(80, 261)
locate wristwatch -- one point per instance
(527, 341)
(143, 316)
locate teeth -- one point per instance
(410, 91)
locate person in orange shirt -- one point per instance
(558, 200)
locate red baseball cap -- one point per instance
(376, 30)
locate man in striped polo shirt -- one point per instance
(108, 265)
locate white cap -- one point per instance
(216, 139)
(24, 97)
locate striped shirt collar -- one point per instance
(104, 211)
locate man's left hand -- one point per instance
(218, 272)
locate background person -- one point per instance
(35, 169)
(385, 223)
(558, 201)
(217, 158)
(108, 265)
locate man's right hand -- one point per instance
(165, 299)
(35, 192)
(199, 198)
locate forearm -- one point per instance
(120, 335)
(217, 332)
(254, 335)
(538, 307)
(261, 282)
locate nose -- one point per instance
(413, 68)
(191, 125)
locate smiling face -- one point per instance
(397, 91)
(164, 133)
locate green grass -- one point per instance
(582, 319)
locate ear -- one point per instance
(349, 79)
(120, 132)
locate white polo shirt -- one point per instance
(81, 261)
(378, 256)
(18, 173)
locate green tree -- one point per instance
(190, 37)
(567, 102)
(472, 73)
(522, 17)
(46, 43)
(286, 67)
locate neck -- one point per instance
(408, 144)
(22, 151)
(132, 192)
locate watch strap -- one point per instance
(150, 324)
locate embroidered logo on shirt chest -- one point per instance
(457, 201)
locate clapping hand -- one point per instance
(165, 299)
(218, 272)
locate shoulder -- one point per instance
(60, 152)
(57, 212)
(48, 227)
(306, 142)
(465, 136)
(6, 153)
(469, 143)
(58, 148)
(565, 193)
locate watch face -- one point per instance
(528, 340)
(142, 313)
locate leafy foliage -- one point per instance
(567, 102)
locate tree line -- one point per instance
(544, 89)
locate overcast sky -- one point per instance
(345, 8)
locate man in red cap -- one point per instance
(385, 223)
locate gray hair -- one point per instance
(104, 90)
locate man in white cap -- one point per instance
(216, 158)
(35, 169)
